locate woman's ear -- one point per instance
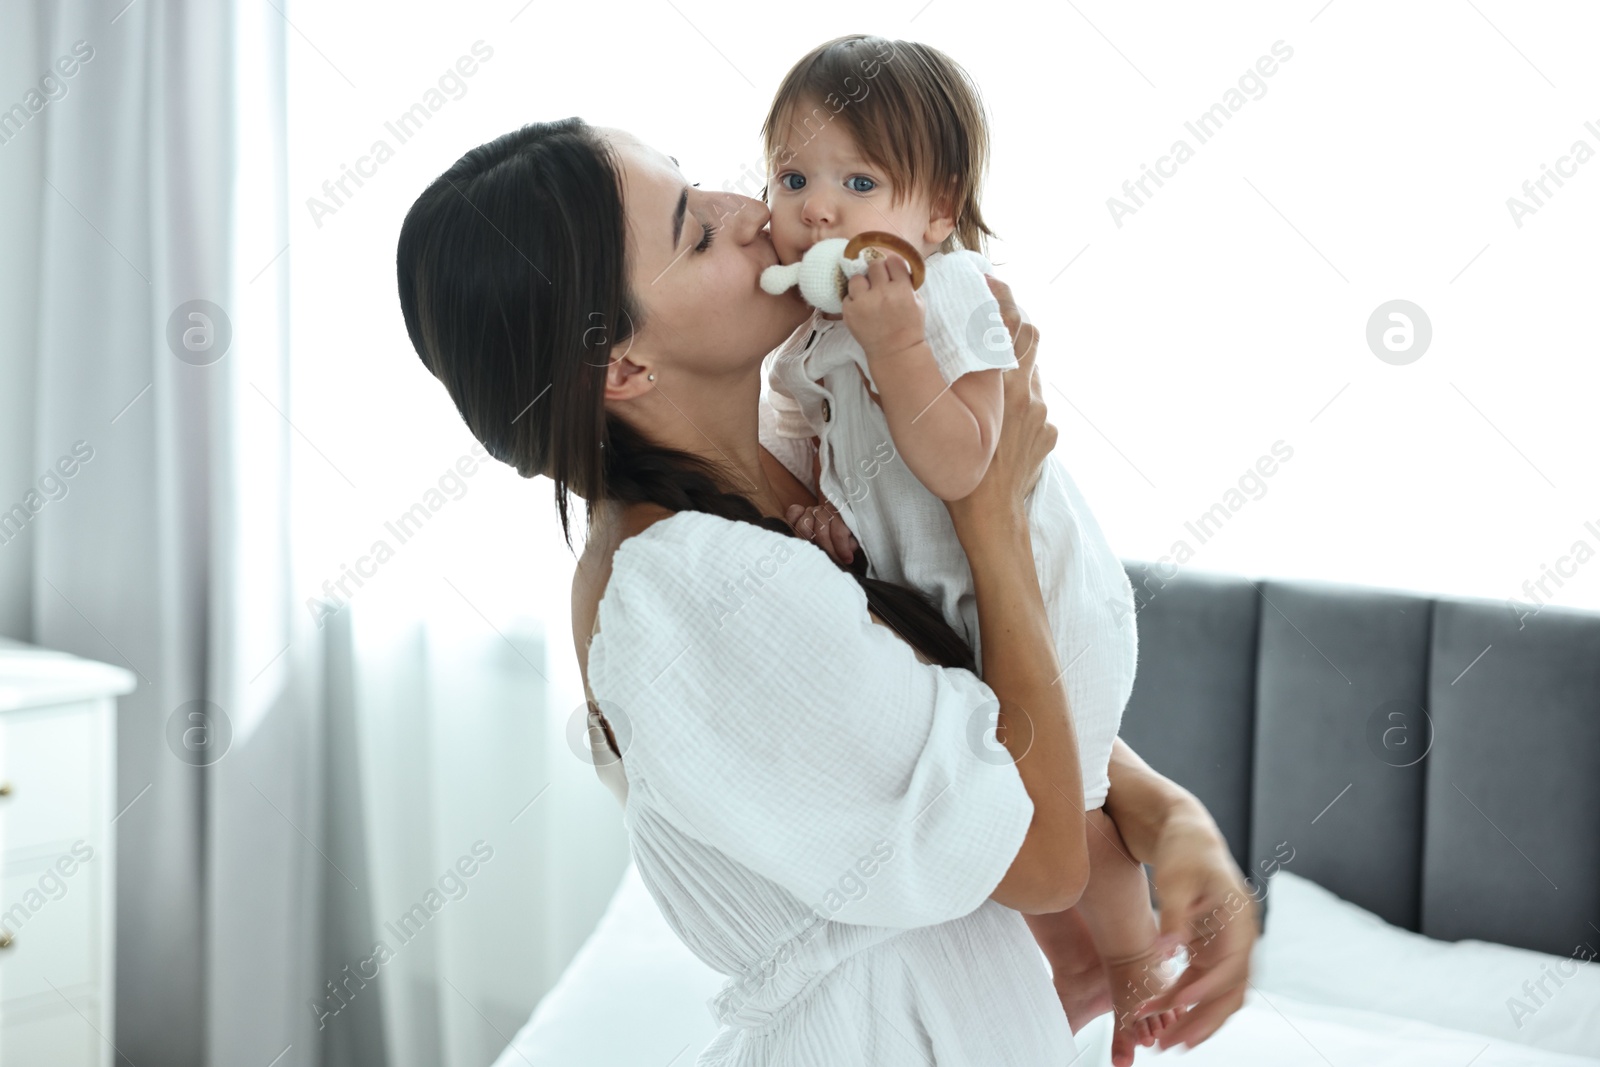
(626, 380)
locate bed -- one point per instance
(1419, 776)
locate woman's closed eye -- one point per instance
(710, 235)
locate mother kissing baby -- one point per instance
(838, 719)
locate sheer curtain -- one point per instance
(409, 848)
(392, 766)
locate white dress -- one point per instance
(819, 813)
(819, 382)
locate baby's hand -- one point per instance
(1133, 981)
(882, 310)
(822, 526)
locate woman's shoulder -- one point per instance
(688, 557)
(692, 570)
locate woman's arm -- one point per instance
(1020, 665)
(1204, 901)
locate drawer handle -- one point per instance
(6, 939)
(5, 791)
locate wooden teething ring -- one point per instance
(876, 242)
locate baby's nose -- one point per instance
(818, 211)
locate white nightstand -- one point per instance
(58, 731)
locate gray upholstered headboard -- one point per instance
(1300, 713)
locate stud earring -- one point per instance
(650, 377)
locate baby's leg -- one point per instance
(1116, 908)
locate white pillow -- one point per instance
(1321, 949)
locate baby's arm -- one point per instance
(945, 434)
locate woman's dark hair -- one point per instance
(513, 283)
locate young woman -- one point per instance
(814, 782)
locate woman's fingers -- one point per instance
(1195, 986)
(1010, 314)
(1202, 1022)
(1025, 336)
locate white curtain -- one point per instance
(398, 770)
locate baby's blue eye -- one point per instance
(871, 185)
(784, 181)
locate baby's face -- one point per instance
(824, 187)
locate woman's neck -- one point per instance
(718, 419)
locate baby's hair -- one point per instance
(910, 108)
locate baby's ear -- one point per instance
(942, 216)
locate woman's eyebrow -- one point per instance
(677, 216)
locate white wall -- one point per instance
(1227, 314)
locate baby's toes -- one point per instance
(1164, 1021)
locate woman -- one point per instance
(808, 766)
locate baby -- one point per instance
(901, 397)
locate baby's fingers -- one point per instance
(803, 521)
(844, 543)
(823, 528)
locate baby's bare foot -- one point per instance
(1135, 980)
(1083, 992)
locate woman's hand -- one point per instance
(1025, 437)
(1205, 904)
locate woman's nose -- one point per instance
(747, 215)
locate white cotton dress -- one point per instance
(820, 382)
(820, 814)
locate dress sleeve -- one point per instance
(963, 322)
(771, 719)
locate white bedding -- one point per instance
(1274, 1028)
(634, 995)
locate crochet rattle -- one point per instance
(827, 267)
